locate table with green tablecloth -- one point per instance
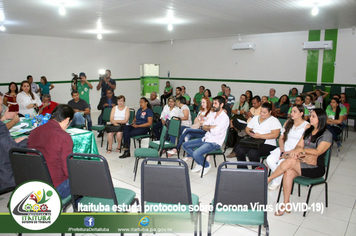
(83, 140)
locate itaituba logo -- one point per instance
(35, 205)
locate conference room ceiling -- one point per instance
(142, 21)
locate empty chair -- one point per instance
(247, 190)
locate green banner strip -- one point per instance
(312, 58)
(329, 57)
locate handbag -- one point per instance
(252, 143)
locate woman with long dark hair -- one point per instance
(291, 133)
(249, 98)
(10, 97)
(307, 158)
(140, 125)
(28, 101)
(335, 122)
(282, 105)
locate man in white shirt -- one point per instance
(215, 127)
(34, 86)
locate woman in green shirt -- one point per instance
(282, 105)
(335, 120)
(167, 93)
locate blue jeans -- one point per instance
(190, 133)
(130, 131)
(88, 118)
(335, 131)
(172, 138)
(78, 119)
(63, 189)
(202, 149)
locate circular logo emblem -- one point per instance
(35, 205)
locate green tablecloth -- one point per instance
(83, 140)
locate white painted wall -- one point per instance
(57, 58)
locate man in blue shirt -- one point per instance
(106, 82)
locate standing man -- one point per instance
(6, 143)
(215, 128)
(55, 144)
(197, 98)
(84, 89)
(106, 82)
(34, 86)
(272, 98)
(80, 107)
(230, 98)
(184, 94)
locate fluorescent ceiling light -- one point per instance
(62, 10)
(2, 28)
(99, 36)
(2, 16)
(170, 27)
(315, 10)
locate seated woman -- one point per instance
(140, 125)
(10, 97)
(263, 126)
(319, 97)
(343, 100)
(307, 158)
(308, 103)
(168, 112)
(293, 95)
(299, 101)
(249, 97)
(239, 109)
(119, 117)
(207, 93)
(282, 105)
(291, 133)
(168, 90)
(28, 101)
(335, 121)
(196, 130)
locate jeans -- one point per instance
(88, 118)
(202, 149)
(130, 131)
(172, 138)
(157, 129)
(63, 189)
(78, 119)
(190, 133)
(335, 131)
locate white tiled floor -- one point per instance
(338, 219)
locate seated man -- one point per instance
(55, 144)
(184, 94)
(216, 127)
(272, 98)
(47, 105)
(6, 143)
(299, 101)
(230, 98)
(153, 100)
(80, 107)
(178, 93)
(109, 101)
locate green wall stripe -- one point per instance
(329, 57)
(313, 58)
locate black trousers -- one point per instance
(253, 154)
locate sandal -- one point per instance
(281, 212)
(108, 151)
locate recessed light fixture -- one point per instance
(99, 36)
(170, 27)
(2, 27)
(315, 10)
(62, 10)
(2, 15)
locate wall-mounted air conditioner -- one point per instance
(243, 46)
(317, 45)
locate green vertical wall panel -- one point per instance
(329, 57)
(312, 58)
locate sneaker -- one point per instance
(172, 152)
(197, 168)
(339, 145)
(274, 186)
(206, 170)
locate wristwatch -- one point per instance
(238, 112)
